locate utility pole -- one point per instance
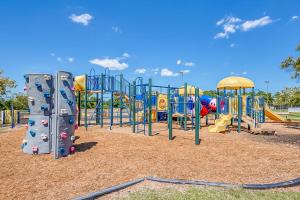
(267, 83)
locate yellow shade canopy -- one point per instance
(190, 90)
(235, 82)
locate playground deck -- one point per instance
(105, 158)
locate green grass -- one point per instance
(210, 194)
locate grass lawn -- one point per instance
(211, 193)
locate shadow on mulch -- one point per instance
(291, 139)
(84, 146)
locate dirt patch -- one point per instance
(105, 158)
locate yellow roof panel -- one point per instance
(235, 82)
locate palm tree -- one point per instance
(292, 64)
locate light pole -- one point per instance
(267, 83)
(181, 74)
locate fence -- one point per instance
(13, 117)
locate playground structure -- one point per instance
(138, 104)
(52, 120)
(235, 105)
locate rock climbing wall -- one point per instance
(39, 88)
(65, 115)
(52, 119)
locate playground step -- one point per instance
(262, 131)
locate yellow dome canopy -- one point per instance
(190, 90)
(235, 82)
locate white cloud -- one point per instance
(167, 73)
(116, 29)
(59, 59)
(52, 54)
(185, 71)
(112, 64)
(294, 18)
(244, 72)
(155, 70)
(248, 25)
(126, 55)
(187, 64)
(83, 19)
(231, 25)
(70, 59)
(232, 45)
(140, 71)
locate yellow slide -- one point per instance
(79, 83)
(220, 124)
(273, 116)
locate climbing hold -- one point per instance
(32, 133)
(63, 135)
(38, 85)
(63, 92)
(73, 88)
(44, 107)
(25, 88)
(71, 120)
(73, 138)
(26, 126)
(35, 150)
(63, 111)
(64, 77)
(46, 94)
(47, 77)
(26, 77)
(44, 122)
(61, 151)
(72, 149)
(24, 142)
(31, 99)
(31, 122)
(44, 137)
(70, 102)
(76, 126)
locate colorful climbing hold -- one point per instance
(32, 133)
(73, 138)
(26, 126)
(47, 94)
(44, 137)
(70, 102)
(63, 135)
(63, 111)
(44, 107)
(25, 88)
(62, 151)
(35, 149)
(44, 122)
(38, 85)
(31, 99)
(72, 149)
(47, 77)
(71, 120)
(31, 122)
(63, 92)
(76, 126)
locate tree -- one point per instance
(20, 102)
(6, 84)
(292, 64)
(211, 93)
(267, 96)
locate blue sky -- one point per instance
(205, 40)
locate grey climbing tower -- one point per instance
(40, 101)
(64, 117)
(52, 120)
